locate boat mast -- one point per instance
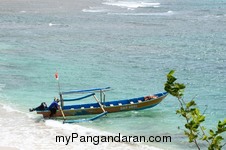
(61, 100)
(61, 97)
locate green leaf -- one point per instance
(219, 138)
(170, 79)
(201, 118)
(197, 112)
(191, 103)
(192, 137)
(171, 72)
(180, 86)
(204, 137)
(211, 132)
(223, 123)
(187, 125)
(178, 112)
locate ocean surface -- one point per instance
(129, 45)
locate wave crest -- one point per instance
(131, 5)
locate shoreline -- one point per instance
(42, 134)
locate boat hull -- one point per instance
(111, 107)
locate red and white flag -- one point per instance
(56, 76)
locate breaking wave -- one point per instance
(131, 5)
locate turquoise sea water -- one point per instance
(129, 45)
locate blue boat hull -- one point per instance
(111, 106)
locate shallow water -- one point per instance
(128, 45)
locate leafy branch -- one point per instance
(189, 110)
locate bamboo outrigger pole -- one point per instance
(61, 98)
(99, 103)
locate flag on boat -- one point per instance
(56, 76)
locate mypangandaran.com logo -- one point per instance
(103, 138)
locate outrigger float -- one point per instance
(101, 107)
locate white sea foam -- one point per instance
(23, 11)
(42, 134)
(168, 13)
(53, 24)
(131, 5)
(68, 129)
(57, 24)
(95, 10)
(9, 108)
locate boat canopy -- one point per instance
(86, 90)
(79, 98)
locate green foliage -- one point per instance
(215, 136)
(193, 129)
(175, 89)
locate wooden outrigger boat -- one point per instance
(101, 107)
